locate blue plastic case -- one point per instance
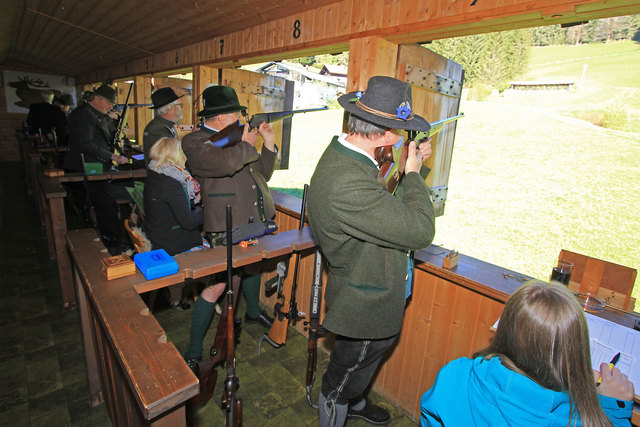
(154, 264)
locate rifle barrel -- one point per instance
(257, 119)
(437, 126)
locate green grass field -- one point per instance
(611, 79)
(527, 179)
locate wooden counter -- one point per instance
(448, 316)
(130, 362)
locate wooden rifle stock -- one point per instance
(230, 402)
(286, 310)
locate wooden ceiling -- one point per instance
(72, 37)
(89, 39)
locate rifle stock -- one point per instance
(230, 402)
(286, 310)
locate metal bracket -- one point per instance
(439, 194)
(432, 81)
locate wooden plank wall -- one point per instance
(329, 28)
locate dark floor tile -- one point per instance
(49, 409)
(15, 416)
(13, 391)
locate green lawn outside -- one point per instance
(527, 179)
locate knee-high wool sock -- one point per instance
(251, 289)
(202, 315)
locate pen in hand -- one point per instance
(611, 365)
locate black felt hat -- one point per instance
(219, 100)
(162, 97)
(107, 92)
(386, 102)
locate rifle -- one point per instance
(232, 134)
(277, 335)
(230, 403)
(116, 143)
(392, 158)
(314, 325)
(121, 107)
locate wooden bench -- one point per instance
(130, 362)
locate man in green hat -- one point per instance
(233, 175)
(366, 234)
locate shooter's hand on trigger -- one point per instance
(267, 134)
(613, 383)
(417, 156)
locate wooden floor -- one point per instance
(42, 372)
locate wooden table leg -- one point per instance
(59, 228)
(93, 378)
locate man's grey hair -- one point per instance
(358, 126)
(165, 108)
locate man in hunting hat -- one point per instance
(366, 234)
(167, 113)
(233, 175)
(90, 142)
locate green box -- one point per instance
(92, 168)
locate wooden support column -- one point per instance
(368, 57)
(143, 115)
(203, 76)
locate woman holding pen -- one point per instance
(536, 371)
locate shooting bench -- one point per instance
(130, 362)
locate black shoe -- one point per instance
(192, 362)
(262, 319)
(371, 413)
(180, 306)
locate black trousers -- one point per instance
(351, 367)
(103, 196)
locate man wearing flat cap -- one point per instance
(90, 142)
(236, 175)
(367, 235)
(167, 113)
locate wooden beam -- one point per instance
(325, 29)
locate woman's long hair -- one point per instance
(168, 150)
(543, 334)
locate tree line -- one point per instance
(491, 60)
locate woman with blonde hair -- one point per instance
(536, 371)
(171, 197)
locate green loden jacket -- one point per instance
(235, 176)
(365, 234)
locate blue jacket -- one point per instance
(473, 392)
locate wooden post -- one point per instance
(368, 57)
(143, 115)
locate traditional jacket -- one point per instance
(45, 116)
(157, 128)
(365, 234)
(235, 176)
(170, 223)
(477, 392)
(89, 134)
